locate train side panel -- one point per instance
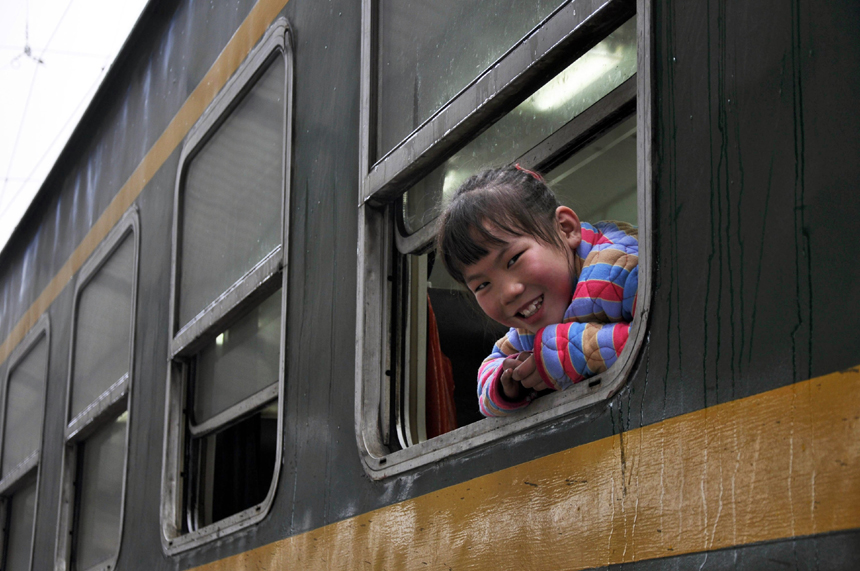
(754, 294)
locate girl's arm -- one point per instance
(570, 352)
(606, 290)
(604, 302)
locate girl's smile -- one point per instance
(526, 283)
(532, 308)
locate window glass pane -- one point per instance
(421, 67)
(20, 532)
(231, 201)
(241, 361)
(235, 466)
(599, 181)
(100, 501)
(603, 68)
(25, 407)
(103, 328)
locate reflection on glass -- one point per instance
(100, 500)
(421, 67)
(603, 68)
(235, 466)
(241, 361)
(25, 406)
(599, 180)
(20, 532)
(231, 200)
(103, 328)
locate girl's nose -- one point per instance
(512, 290)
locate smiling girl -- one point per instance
(566, 289)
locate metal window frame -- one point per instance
(565, 35)
(31, 465)
(106, 407)
(409, 398)
(270, 273)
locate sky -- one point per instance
(53, 56)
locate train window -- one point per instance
(99, 385)
(577, 123)
(512, 139)
(226, 379)
(23, 414)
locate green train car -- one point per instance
(225, 342)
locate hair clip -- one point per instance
(535, 175)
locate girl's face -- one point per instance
(526, 283)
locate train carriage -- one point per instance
(227, 343)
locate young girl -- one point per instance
(566, 289)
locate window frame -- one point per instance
(31, 465)
(562, 37)
(107, 406)
(263, 279)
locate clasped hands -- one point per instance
(520, 376)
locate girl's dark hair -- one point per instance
(515, 201)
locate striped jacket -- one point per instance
(595, 325)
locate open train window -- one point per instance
(97, 403)
(23, 411)
(228, 305)
(561, 100)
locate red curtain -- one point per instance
(441, 411)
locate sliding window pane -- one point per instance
(103, 328)
(241, 361)
(231, 203)
(100, 489)
(423, 66)
(20, 533)
(25, 403)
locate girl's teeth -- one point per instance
(530, 310)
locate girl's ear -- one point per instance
(569, 226)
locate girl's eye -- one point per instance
(481, 286)
(514, 259)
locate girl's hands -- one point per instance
(520, 376)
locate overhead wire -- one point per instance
(71, 116)
(20, 129)
(28, 52)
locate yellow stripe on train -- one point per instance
(776, 465)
